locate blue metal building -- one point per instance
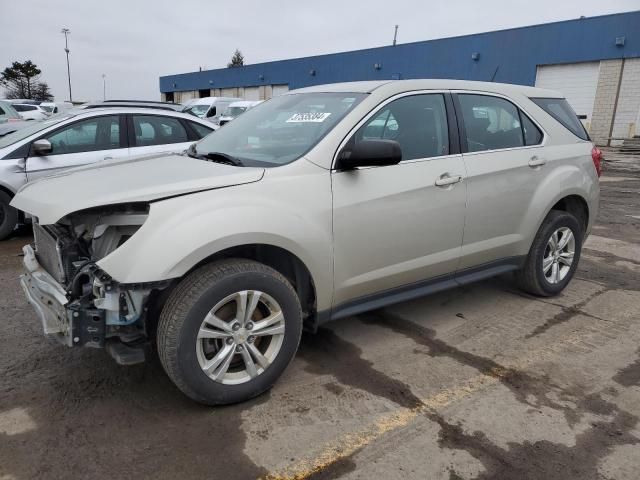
(512, 56)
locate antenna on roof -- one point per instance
(395, 36)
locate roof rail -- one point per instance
(139, 101)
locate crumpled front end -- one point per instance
(77, 302)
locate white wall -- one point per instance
(577, 81)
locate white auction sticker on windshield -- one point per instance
(317, 117)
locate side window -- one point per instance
(532, 134)
(101, 133)
(200, 130)
(490, 123)
(2, 112)
(417, 122)
(158, 130)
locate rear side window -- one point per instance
(491, 123)
(158, 130)
(560, 109)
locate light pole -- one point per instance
(104, 87)
(66, 32)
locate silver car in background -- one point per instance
(73, 139)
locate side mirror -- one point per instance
(370, 153)
(41, 147)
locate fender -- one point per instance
(584, 184)
(183, 231)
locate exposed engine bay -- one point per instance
(99, 311)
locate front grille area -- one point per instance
(48, 252)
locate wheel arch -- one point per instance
(577, 206)
(283, 261)
(5, 189)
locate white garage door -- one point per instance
(280, 89)
(577, 81)
(252, 93)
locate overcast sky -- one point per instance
(133, 42)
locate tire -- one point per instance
(533, 277)
(184, 355)
(8, 216)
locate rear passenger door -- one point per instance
(504, 159)
(150, 133)
(401, 224)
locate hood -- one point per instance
(137, 179)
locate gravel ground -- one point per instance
(479, 382)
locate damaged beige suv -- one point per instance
(316, 205)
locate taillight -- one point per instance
(596, 156)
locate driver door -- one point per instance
(80, 143)
(400, 225)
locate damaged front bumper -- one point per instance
(107, 314)
(71, 323)
(47, 297)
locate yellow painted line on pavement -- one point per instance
(350, 443)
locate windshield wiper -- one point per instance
(220, 157)
(217, 157)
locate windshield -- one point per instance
(197, 110)
(233, 111)
(280, 130)
(47, 108)
(32, 128)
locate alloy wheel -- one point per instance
(558, 255)
(240, 337)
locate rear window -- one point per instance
(560, 109)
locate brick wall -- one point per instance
(626, 121)
(604, 105)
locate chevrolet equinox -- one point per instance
(315, 205)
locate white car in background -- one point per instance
(30, 112)
(209, 108)
(237, 108)
(86, 136)
(50, 107)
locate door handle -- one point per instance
(446, 180)
(108, 158)
(535, 161)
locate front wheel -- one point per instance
(554, 255)
(229, 330)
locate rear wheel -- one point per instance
(8, 216)
(229, 330)
(554, 255)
